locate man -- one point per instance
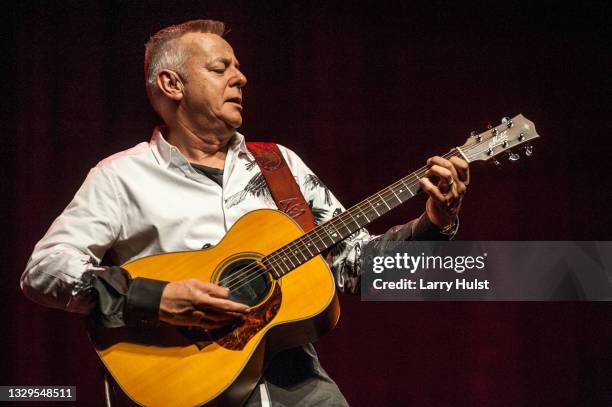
(182, 191)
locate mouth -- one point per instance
(236, 100)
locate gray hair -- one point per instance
(163, 52)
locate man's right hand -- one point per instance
(196, 303)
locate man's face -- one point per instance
(213, 83)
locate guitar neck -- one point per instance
(324, 236)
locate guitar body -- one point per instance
(172, 366)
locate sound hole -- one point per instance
(249, 283)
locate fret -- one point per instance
(406, 186)
(323, 247)
(288, 258)
(296, 249)
(320, 238)
(285, 264)
(339, 219)
(272, 269)
(350, 223)
(385, 202)
(355, 221)
(374, 209)
(396, 197)
(416, 180)
(308, 244)
(364, 215)
(324, 229)
(323, 236)
(334, 235)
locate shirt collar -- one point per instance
(167, 154)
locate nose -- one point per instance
(239, 79)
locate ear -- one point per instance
(170, 84)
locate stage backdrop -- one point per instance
(364, 94)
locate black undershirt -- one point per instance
(215, 174)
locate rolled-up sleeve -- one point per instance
(74, 244)
(64, 270)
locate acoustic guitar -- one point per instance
(269, 263)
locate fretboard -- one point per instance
(324, 236)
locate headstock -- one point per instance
(504, 138)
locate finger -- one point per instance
(431, 190)
(453, 191)
(443, 162)
(212, 289)
(444, 178)
(462, 168)
(461, 188)
(440, 172)
(222, 305)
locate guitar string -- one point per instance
(255, 271)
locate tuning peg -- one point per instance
(528, 151)
(513, 157)
(507, 121)
(477, 136)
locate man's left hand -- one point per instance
(451, 178)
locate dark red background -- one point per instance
(364, 93)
